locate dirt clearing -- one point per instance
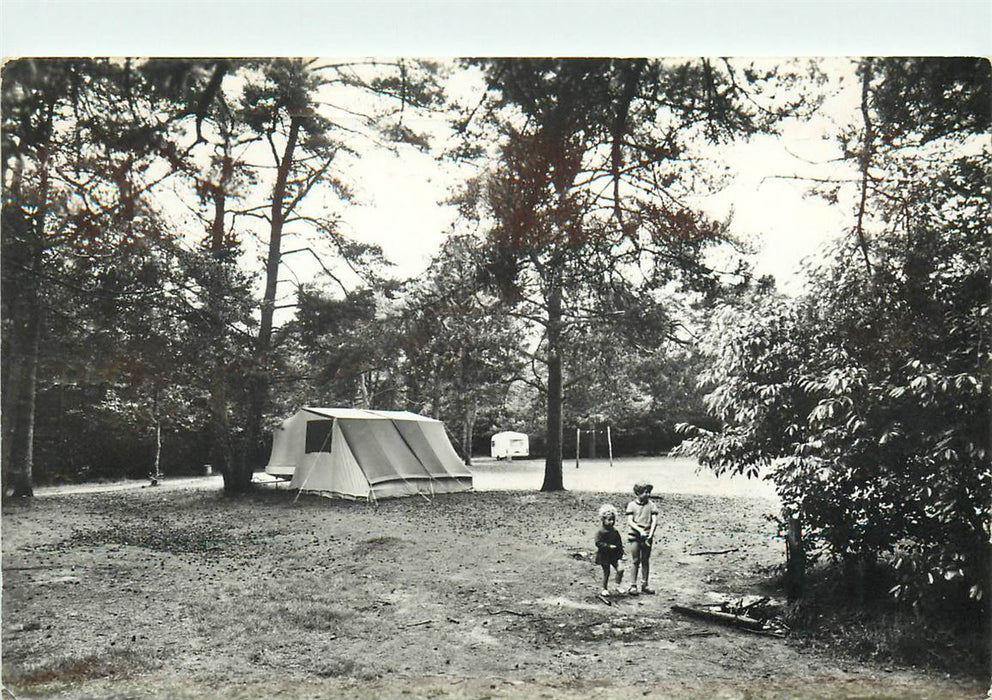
(178, 591)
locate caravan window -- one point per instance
(319, 435)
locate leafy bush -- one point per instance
(867, 399)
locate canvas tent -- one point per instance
(352, 453)
(510, 444)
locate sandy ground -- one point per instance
(669, 475)
(178, 591)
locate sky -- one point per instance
(402, 209)
(400, 195)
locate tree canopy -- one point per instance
(589, 194)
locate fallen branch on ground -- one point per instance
(673, 637)
(716, 551)
(417, 624)
(743, 622)
(510, 612)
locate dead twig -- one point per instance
(715, 551)
(418, 624)
(693, 634)
(509, 612)
(746, 609)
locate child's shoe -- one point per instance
(647, 591)
(632, 590)
(604, 592)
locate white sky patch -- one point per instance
(400, 192)
(400, 208)
(772, 208)
(400, 196)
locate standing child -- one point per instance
(609, 546)
(642, 520)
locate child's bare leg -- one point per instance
(645, 568)
(635, 559)
(606, 576)
(619, 570)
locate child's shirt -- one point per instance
(642, 513)
(605, 554)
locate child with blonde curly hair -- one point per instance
(609, 546)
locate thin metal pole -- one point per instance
(609, 444)
(578, 444)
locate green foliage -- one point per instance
(832, 618)
(129, 314)
(349, 350)
(461, 345)
(867, 399)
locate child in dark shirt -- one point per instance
(609, 546)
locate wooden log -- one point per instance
(742, 621)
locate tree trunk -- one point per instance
(552, 460)
(592, 442)
(469, 430)
(156, 475)
(436, 391)
(221, 448)
(27, 324)
(11, 359)
(795, 556)
(364, 394)
(239, 479)
(158, 454)
(22, 429)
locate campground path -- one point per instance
(675, 475)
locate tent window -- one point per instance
(319, 435)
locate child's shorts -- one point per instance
(639, 538)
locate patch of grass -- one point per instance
(871, 625)
(313, 616)
(192, 538)
(336, 668)
(71, 669)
